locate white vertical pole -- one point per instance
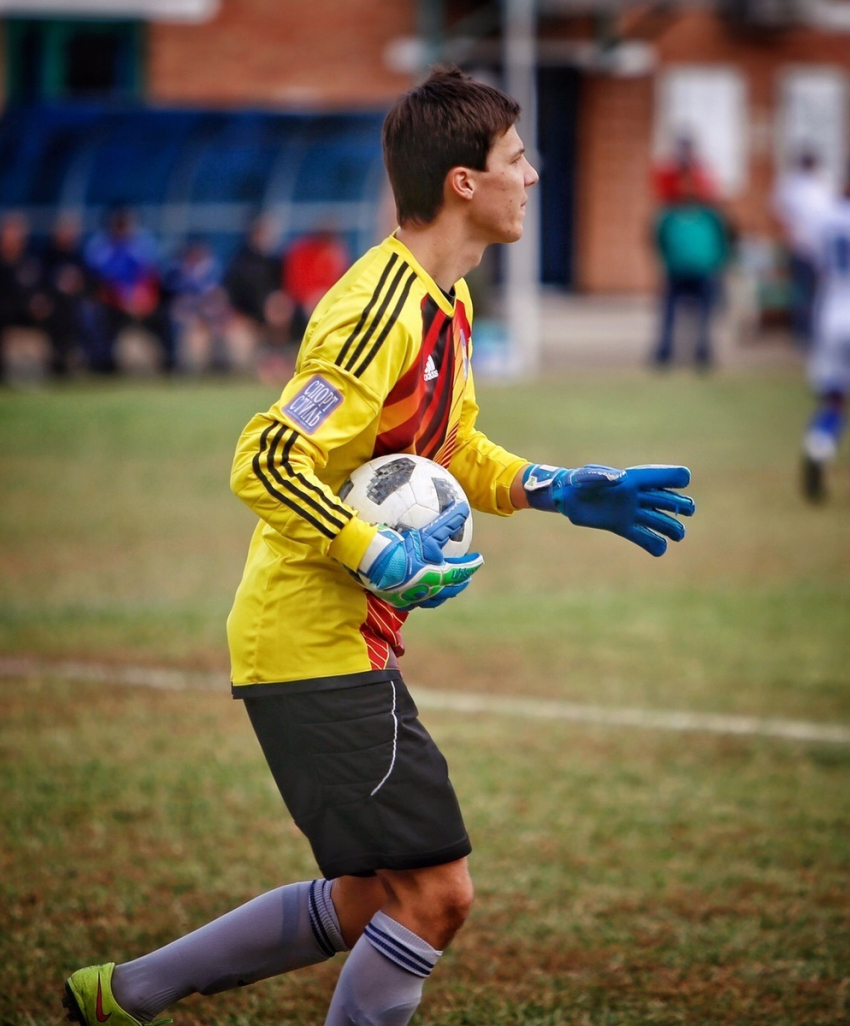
(522, 279)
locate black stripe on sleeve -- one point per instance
(264, 459)
(275, 493)
(393, 318)
(322, 507)
(376, 320)
(336, 507)
(367, 310)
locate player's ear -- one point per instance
(460, 182)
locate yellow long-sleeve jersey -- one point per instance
(385, 366)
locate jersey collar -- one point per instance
(433, 289)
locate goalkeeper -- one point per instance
(315, 629)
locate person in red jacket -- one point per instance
(313, 263)
(683, 170)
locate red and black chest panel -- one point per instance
(422, 412)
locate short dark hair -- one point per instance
(449, 120)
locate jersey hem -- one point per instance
(295, 687)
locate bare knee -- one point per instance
(434, 903)
(458, 899)
(448, 908)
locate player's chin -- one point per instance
(512, 234)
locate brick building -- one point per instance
(748, 80)
(324, 53)
(766, 90)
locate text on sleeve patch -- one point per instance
(312, 406)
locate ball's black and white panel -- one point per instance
(402, 490)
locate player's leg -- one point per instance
(820, 445)
(670, 301)
(383, 977)
(829, 376)
(285, 929)
(282, 930)
(803, 274)
(433, 902)
(356, 899)
(368, 786)
(705, 292)
(407, 825)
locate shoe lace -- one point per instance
(159, 1022)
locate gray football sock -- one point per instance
(282, 930)
(382, 979)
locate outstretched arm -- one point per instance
(641, 504)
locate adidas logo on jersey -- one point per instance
(431, 371)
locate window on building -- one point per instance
(812, 115)
(708, 106)
(58, 59)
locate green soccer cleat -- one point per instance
(89, 1000)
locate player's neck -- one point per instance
(445, 254)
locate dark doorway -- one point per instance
(557, 105)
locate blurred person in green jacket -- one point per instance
(693, 241)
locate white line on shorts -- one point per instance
(459, 701)
(395, 745)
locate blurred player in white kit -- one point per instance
(802, 197)
(829, 360)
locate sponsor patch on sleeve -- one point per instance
(312, 406)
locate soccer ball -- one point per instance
(402, 490)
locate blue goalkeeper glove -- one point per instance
(628, 502)
(408, 569)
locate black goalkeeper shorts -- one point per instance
(361, 777)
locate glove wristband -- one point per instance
(376, 546)
(538, 480)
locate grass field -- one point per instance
(624, 876)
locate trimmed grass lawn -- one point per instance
(623, 876)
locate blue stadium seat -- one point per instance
(195, 172)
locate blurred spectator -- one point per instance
(312, 264)
(24, 305)
(262, 310)
(829, 359)
(199, 308)
(692, 240)
(252, 281)
(125, 262)
(24, 302)
(801, 199)
(683, 170)
(72, 322)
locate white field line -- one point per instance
(459, 701)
